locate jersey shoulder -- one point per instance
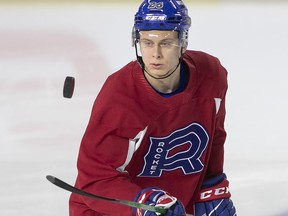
(117, 98)
(203, 59)
(210, 73)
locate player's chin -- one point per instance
(158, 72)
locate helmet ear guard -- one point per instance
(135, 36)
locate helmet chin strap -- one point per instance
(142, 65)
(164, 77)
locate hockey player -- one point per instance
(156, 131)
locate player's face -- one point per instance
(160, 51)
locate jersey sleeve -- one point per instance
(101, 153)
(103, 149)
(216, 161)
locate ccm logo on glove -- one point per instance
(217, 192)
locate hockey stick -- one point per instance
(75, 190)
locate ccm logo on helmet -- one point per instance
(155, 18)
(155, 5)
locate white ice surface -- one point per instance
(40, 131)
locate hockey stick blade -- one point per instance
(75, 190)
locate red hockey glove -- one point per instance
(158, 198)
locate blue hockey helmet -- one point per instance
(171, 15)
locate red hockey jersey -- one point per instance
(136, 138)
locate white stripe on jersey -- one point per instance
(133, 146)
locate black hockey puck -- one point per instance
(68, 88)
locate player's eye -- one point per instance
(147, 43)
(166, 44)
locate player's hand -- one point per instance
(219, 207)
(214, 198)
(159, 198)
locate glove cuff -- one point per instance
(219, 191)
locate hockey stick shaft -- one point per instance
(75, 190)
